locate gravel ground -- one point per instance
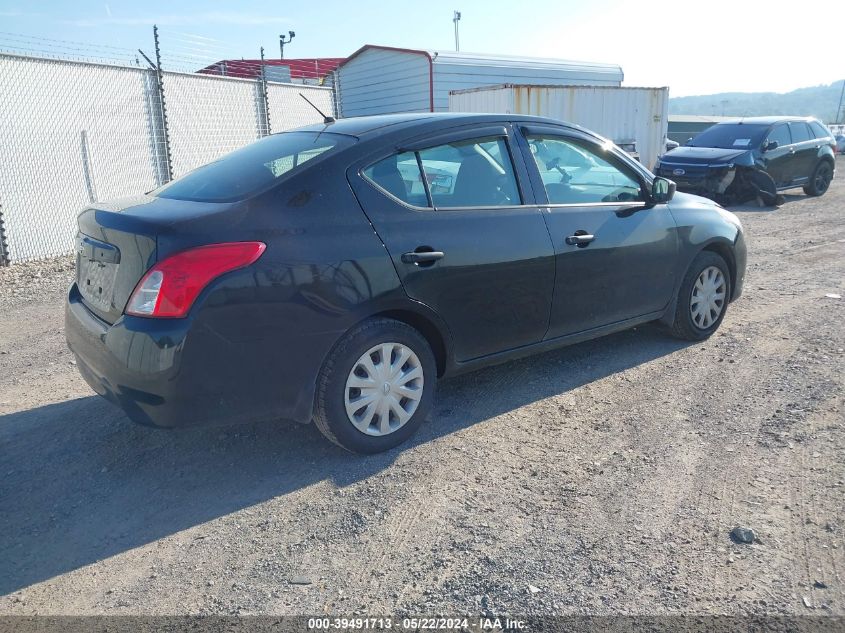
(602, 478)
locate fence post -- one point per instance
(4, 247)
(168, 164)
(265, 106)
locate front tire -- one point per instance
(820, 180)
(376, 387)
(702, 298)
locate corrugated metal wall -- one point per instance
(616, 113)
(461, 71)
(381, 81)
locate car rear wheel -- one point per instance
(702, 298)
(376, 387)
(820, 180)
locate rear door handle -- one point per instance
(422, 257)
(580, 240)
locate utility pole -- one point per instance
(839, 113)
(457, 18)
(282, 42)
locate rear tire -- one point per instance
(820, 180)
(376, 386)
(702, 298)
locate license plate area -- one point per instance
(97, 264)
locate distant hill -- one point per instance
(817, 101)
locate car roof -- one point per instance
(367, 125)
(767, 120)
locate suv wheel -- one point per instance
(702, 298)
(376, 387)
(820, 180)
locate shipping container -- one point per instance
(626, 116)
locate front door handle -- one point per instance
(422, 257)
(580, 240)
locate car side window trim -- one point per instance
(453, 136)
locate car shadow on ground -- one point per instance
(79, 482)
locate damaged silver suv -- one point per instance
(736, 161)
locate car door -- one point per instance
(806, 149)
(778, 162)
(467, 239)
(615, 253)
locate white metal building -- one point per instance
(383, 80)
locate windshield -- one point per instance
(731, 136)
(252, 168)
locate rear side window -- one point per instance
(800, 132)
(253, 168)
(400, 176)
(471, 173)
(819, 130)
(476, 173)
(780, 133)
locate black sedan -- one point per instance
(336, 272)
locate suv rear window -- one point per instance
(731, 136)
(253, 168)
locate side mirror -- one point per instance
(770, 146)
(662, 190)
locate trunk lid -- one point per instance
(119, 241)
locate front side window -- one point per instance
(780, 133)
(472, 173)
(253, 168)
(574, 173)
(800, 132)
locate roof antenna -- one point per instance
(326, 119)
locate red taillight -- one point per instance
(170, 288)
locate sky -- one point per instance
(695, 48)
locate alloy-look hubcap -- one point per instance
(383, 389)
(708, 297)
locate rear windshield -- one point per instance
(253, 168)
(731, 136)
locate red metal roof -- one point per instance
(303, 68)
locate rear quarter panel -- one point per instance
(323, 271)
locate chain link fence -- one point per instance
(73, 133)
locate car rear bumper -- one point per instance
(178, 372)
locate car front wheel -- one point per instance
(376, 387)
(702, 298)
(820, 180)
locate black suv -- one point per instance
(738, 160)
